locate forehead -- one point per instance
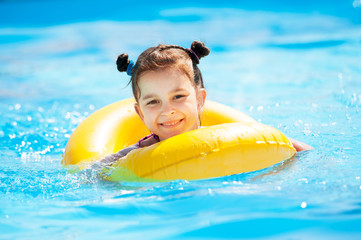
(170, 78)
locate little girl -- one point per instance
(169, 92)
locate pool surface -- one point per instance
(292, 66)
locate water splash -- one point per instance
(356, 3)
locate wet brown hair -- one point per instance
(163, 57)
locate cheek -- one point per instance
(149, 114)
(192, 108)
(195, 103)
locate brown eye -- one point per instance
(152, 102)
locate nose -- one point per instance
(168, 109)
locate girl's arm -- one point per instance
(116, 156)
(111, 158)
(300, 146)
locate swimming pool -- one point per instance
(295, 67)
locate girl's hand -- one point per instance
(300, 146)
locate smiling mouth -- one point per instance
(171, 123)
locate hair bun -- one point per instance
(200, 49)
(122, 62)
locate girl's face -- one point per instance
(169, 104)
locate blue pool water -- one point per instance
(290, 65)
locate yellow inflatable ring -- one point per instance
(232, 143)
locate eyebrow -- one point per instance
(154, 96)
(148, 96)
